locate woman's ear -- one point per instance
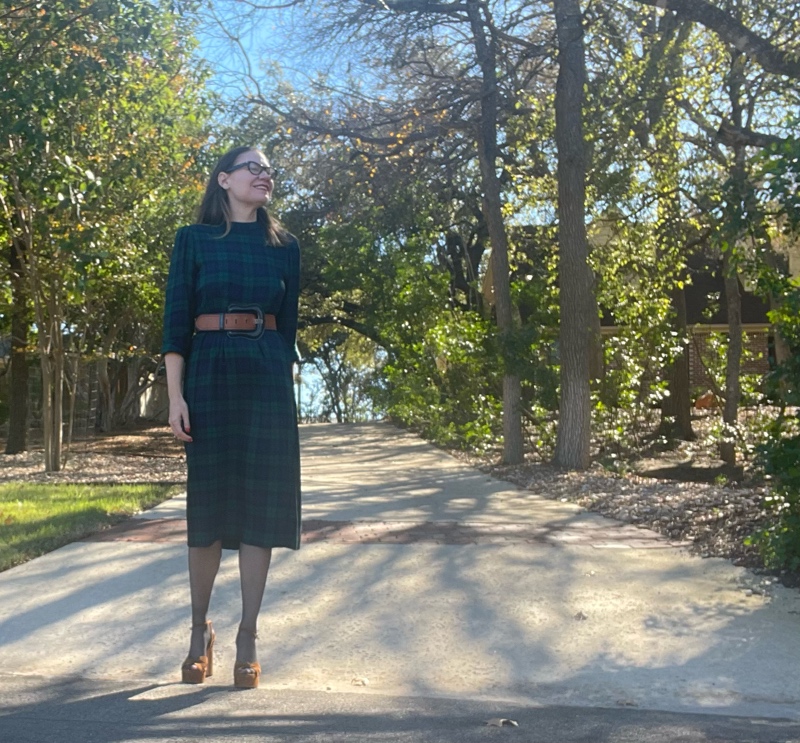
(222, 179)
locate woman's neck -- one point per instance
(242, 213)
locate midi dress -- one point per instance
(243, 484)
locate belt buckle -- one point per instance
(258, 331)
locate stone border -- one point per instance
(611, 536)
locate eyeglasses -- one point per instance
(255, 168)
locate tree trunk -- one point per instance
(72, 384)
(513, 450)
(733, 300)
(17, 440)
(52, 409)
(665, 67)
(730, 413)
(51, 357)
(58, 407)
(47, 409)
(108, 399)
(576, 289)
(105, 421)
(676, 408)
(128, 409)
(782, 350)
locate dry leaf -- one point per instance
(498, 722)
(9, 520)
(359, 681)
(580, 616)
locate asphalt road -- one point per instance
(36, 710)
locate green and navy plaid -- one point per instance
(244, 463)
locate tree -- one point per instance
(747, 98)
(20, 326)
(735, 32)
(654, 159)
(111, 89)
(473, 108)
(346, 364)
(575, 279)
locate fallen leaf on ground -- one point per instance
(580, 616)
(359, 681)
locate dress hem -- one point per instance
(234, 545)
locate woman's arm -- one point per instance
(178, 410)
(286, 317)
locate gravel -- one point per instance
(145, 455)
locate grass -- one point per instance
(38, 518)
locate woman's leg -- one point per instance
(253, 570)
(203, 568)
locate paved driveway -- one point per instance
(420, 578)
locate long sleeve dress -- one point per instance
(243, 464)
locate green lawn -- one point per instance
(35, 518)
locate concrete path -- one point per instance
(424, 588)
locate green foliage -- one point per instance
(105, 124)
(447, 385)
(780, 455)
(713, 352)
(780, 165)
(780, 544)
(384, 196)
(626, 399)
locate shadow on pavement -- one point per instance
(101, 712)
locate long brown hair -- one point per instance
(215, 208)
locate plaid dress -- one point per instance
(244, 463)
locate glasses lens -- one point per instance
(257, 169)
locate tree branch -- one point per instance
(733, 32)
(308, 124)
(417, 6)
(270, 6)
(346, 322)
(737, 136)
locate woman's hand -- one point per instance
(179, 419)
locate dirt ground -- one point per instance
(715, 515)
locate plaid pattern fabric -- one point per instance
(244, 463)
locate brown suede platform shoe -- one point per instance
(197, 670)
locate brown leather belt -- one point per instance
(237, 321)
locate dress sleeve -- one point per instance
(179, 306)
(286, 319)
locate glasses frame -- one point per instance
(268, 170)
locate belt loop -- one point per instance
(222, 321)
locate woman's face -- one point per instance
(244, 186)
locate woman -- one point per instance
(230, 323)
